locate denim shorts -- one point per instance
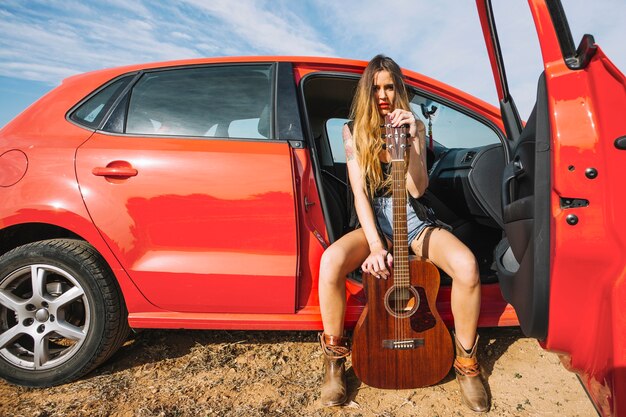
(383, 210)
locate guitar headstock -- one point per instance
(396, 139)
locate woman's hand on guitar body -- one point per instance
(377, 263)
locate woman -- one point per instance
(382, 91)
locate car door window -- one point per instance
(450, 127)
(217, 101)
(334, 130)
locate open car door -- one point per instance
(562, 262)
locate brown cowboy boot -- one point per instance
(467, 371)
(335, 351)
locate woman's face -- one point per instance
(384, 92)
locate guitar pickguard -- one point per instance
(423, 318)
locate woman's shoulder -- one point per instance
(350, 124)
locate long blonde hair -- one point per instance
(367, 120)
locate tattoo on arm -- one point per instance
(349, 150)
(348, 146)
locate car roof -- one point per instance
(223, 60)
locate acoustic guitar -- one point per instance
(400, 341)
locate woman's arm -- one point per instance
(375, 263)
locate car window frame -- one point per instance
(111, 108)
(123, 99)
(272, 101)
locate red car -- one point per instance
(201, 194)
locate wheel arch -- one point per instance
(20, 234)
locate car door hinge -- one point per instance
(568, 203)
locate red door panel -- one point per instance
(200, 225)
(588, 287)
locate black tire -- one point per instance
(75, 322)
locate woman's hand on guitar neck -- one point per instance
(377, 263)
(401, 117)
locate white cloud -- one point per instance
(63, 44)
(36, 72)
(135, 7)
(264, 28)
(180, 35)
(66, 37)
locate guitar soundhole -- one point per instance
(402, 302)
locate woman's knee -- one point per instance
(465, 268)
(331, 265)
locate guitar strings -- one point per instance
(401, 247)
(400, 275)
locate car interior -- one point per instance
(464, 182)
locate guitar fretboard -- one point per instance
(400, 245)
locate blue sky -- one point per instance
(42, 42)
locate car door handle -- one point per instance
(512, 171)
(115, 169)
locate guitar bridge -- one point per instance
(403, 344)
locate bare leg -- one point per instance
(342, 257)
(451, 255)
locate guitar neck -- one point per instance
(401, 274)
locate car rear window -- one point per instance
(92, 111)
(232, 101)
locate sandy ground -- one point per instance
(235, 373)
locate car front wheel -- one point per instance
(61, 312)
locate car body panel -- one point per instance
(495, 312)
(204, 226)
(588, 279)
(588, 288)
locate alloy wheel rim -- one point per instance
(44, 317)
